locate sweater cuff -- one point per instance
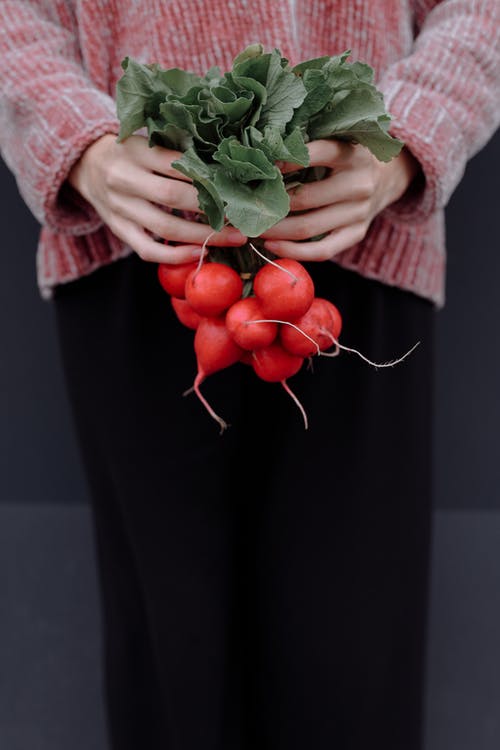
(420, 120)
(64, 209)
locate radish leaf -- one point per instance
(162, 133)
(232, 128)
(292, 148)
(243, 162)
(138, 93)
(203, 176)
(253, 209)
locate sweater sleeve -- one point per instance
(50, 110)
(445, 97)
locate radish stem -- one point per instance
(204, 250)
(268, 260)
(203, 254)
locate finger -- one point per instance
(163, 190)
(323, 153)
(156, 159)
(311, 223)
(178, 253)
(288, 166)
(151, 250)
(330, 152)
(174, 228)
(325, 249)
(349, 185)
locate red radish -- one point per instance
(185, 313)
(315, 331)
(248, 336)
(284, 289)
(215, 350)
(310, 332)
(173, 277)
(214, 347)
(273, 364)
(335, 326)
(213, 288)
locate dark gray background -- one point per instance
(50, 694)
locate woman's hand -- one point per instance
(343, 204)
(124, 181)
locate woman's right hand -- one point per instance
(123, 181)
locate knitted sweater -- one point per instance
(438, 64)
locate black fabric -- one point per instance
(266, 588)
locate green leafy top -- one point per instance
(233, 127)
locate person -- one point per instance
(267, 588)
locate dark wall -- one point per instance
(38, 460)
(467, 413)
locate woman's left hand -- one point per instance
(343, 204)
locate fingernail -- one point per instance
(270, 245)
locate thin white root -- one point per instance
(391, 363)
(287, 323)
(331, 354)
(188, 391)
(268, 260)
(301, 408)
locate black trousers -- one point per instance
(264, 589)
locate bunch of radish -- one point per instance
(273, 330)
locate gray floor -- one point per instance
(50, 681)
(463, 700)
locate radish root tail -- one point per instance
(391, 363)
(196, 387)
(301, 408)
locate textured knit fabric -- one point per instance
(438, 64)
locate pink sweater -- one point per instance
(438, 64)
